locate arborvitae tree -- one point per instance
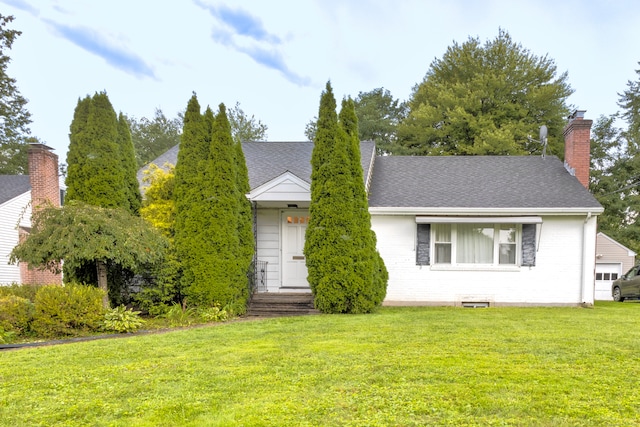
(209, 213)
(316, 237)
(94, 166)
(339, 245)
(245, 213)
(369, 259)
(101, 172)
(229, 217)
(188, 188)
(129, 165)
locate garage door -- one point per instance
(605, 275)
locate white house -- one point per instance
(18, 193)
(452, 230)
(15, 212)
(612, 260)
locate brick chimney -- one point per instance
(577, 146)
(43, 175)
(45, 188)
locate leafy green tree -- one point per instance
(94, 162)
(129, 166)
(79, 234)
(339, 244)
(159, 205)
(245, 128)
(14, 117)
(486, 99)
(379, 115)
(158, 209)
(152, 137)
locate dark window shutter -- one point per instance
(528, 245)
(422, 247)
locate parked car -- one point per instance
(627, 286)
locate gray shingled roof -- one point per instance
(268, 160)
(169, 156)
(12, 186)
(431, 181)
(476, 182)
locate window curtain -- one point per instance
(474, 244)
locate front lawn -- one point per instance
(397, 367)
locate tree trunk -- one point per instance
(102, 282)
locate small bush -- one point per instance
(213, 314)
(16, 314)
(67, 310)
(6, 337)
(121, 320)
(23, 291)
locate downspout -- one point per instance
(583, 273)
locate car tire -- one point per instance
(617, 295)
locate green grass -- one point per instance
(396, 367)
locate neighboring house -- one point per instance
(18, 194)
(452, 230)
(612, 260)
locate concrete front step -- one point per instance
(281, 304)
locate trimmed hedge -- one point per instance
(16, 314)
(69, 310)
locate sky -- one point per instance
(275, 57)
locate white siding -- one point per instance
(268, 245)
(13, 213)
(559, 276)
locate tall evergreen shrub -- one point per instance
(213, 228)
(129, 166)
(340, 246)
(94, 162)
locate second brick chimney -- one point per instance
(577, 146)
(43, 175)
(45, 189)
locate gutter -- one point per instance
(466, 211)
(583, 272)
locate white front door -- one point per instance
(605, 275)
(294, 269)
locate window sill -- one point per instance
(475, 267)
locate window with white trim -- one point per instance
(486, 244)
(442, 241)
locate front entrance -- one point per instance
(294, 268)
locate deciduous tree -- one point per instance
(245, 128)
(379, 115)
(152, 137)
(82, 234)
